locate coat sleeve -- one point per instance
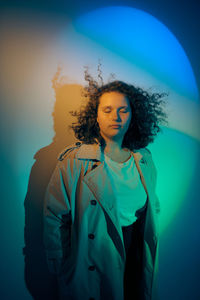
(154, 181)
(57, 220)
(157, 210)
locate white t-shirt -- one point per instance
(127, 187)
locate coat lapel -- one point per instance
(99, 183)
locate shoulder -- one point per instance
(69, 151)
(81, 151)
(145, 153)
(146, 157)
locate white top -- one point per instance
(127, 187)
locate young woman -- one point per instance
(100, 213)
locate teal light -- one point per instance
(175, 155)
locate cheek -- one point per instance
(128, 120)
(100, 120)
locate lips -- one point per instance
(115, 126)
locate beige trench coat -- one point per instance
(81, 225)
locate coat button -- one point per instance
(91, 268)
(142, 161)
(91, 236)
(93, 202)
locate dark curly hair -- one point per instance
(147, 109)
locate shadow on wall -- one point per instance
(40, 283)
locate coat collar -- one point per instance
(93, 151)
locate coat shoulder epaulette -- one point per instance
(147, 150)
(67, 150)
(146, 155)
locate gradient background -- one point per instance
(43, 48)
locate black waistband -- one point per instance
(133, 232)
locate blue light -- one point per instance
(144, 41)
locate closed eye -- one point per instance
(123, 110)
(107, 111)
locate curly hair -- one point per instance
(147, 109)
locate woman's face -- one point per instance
(113, 115)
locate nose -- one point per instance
(116, 116)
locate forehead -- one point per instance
(113, 99)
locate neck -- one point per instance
(112, 146)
